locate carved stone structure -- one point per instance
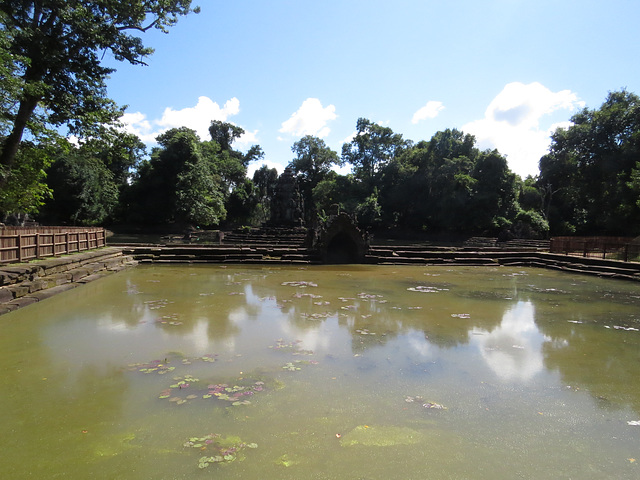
(286, 207)
(340, 241)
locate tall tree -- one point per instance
(84, 189)
(56, 48)
(311, 165)
(372, 147)
(178, 184)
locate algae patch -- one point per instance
(380, 436)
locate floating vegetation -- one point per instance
(184, 382)
(221, 449)
(419, 400)
(156, 366)
(208, 358)
(156, 304)
(287, 461)
(364, 331)
(169, 319)
(300, 284)
(317, 316)
(291, 346)
(296, 365)
(427, 289)
(369, 296)
(380, 436)
(618, 327)
(309, 295)
(236, 395)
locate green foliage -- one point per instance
(368, 212)
(25, 190)
(265, 180)
(178, 184)
(588, 174)
(51, 53)
(311, 165)
(84, 190)
(373, 147)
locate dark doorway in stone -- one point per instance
(342, 249)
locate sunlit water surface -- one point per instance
(163, 372)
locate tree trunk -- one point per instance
(12, 142)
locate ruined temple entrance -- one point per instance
(340, 241)
(342, 249)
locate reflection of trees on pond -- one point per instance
(605, 363)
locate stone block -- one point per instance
(6, 295)
(19, 290)
(23, 301)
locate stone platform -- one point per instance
(22, 284)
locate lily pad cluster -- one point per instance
(427, 289)
(364, 331)
(300, 284)
(171, 319)
(371, 297)
(316, 316)
(296, 365)
(221, 449)
(156, 366)
(302, 295)
(291, 347)
(157, 304)
(207, 358)
(181, 392)
(420, 400)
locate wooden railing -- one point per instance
(21, 244)
(617, 248)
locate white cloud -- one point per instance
(197, 118)
(430, 110)
(310, 119)
(251, 169)
(137, 124)
(246, 140)
(512, 123)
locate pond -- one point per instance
(356, 372)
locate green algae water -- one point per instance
(196, 372)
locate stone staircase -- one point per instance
(258, 245)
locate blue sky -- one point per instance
(506, 71)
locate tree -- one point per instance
(56, 48)
(265, 180)
(84, 189)
(311, 165)
(588, 172)
(178, 184)
(231, 164)
(372, 147)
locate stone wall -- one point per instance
(26, 283)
